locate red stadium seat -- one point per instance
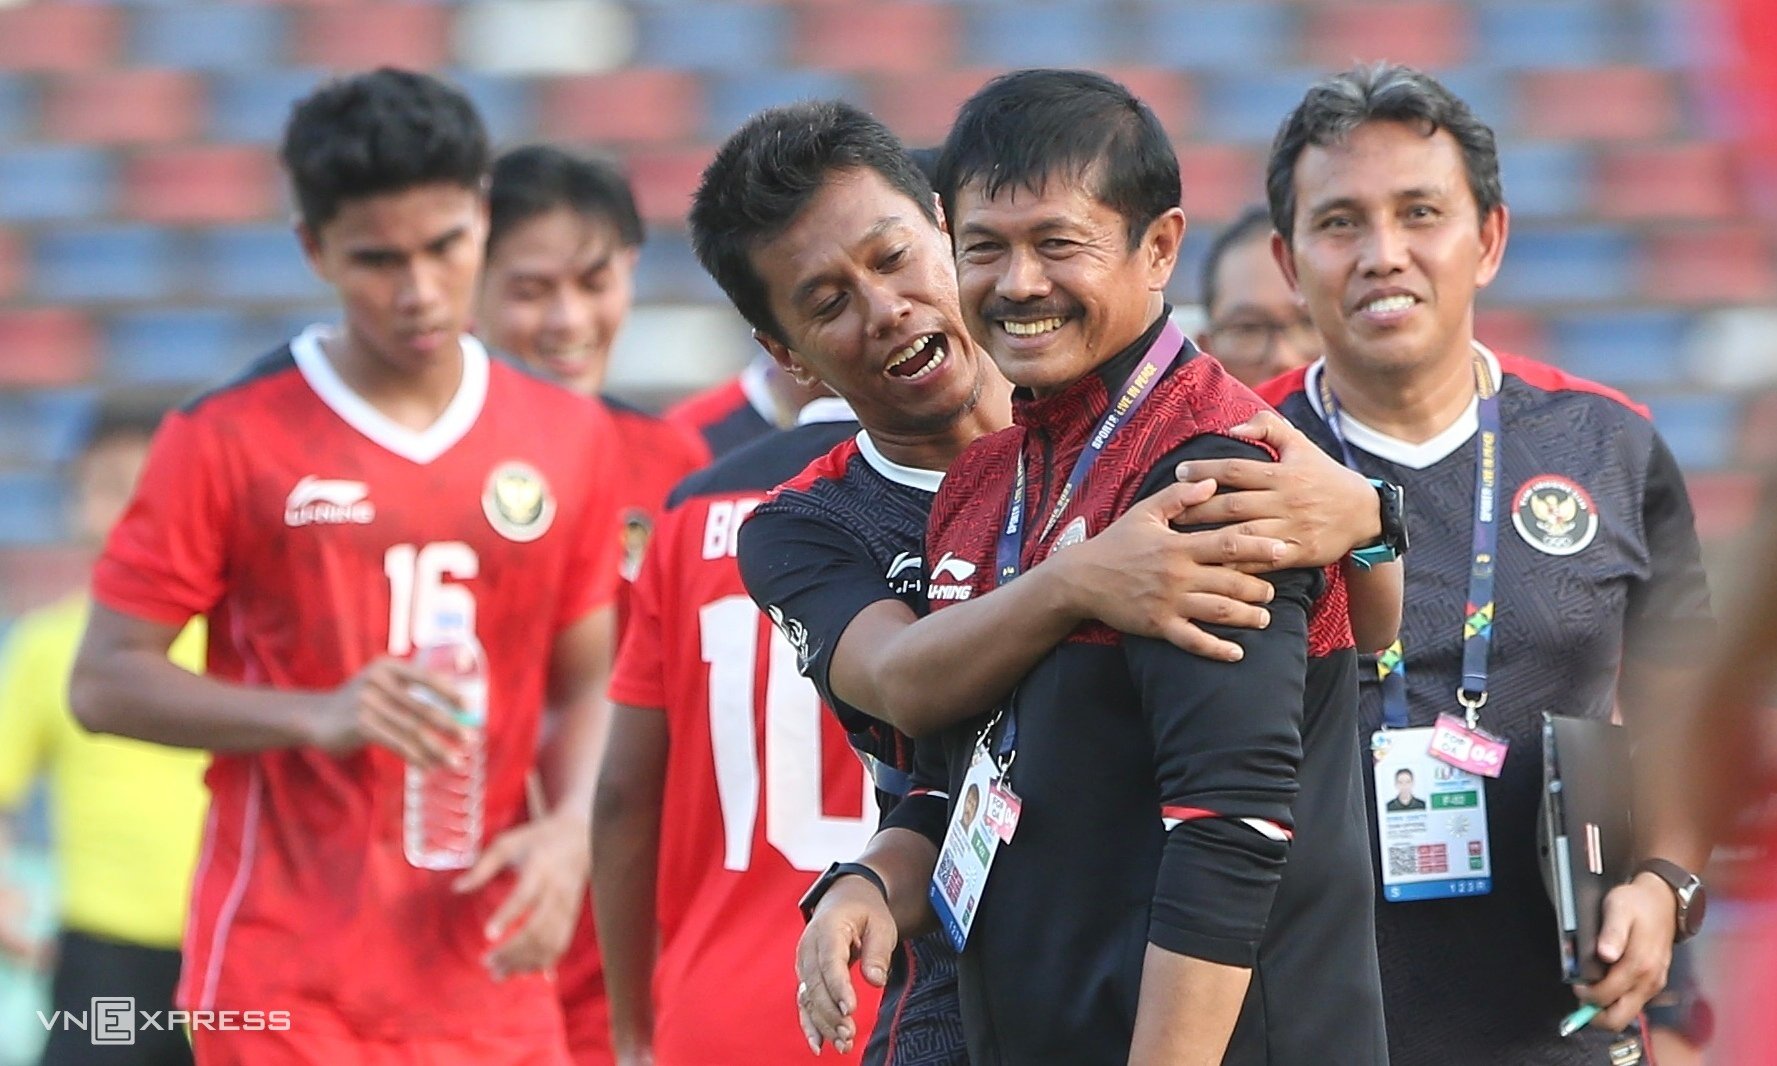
(897, 38)
(1428, 35)
(1601, 103)
(920, 107)
(1509, 330)
(208, 184)
(357, 36)
(60, 38)
(46, 347)
(126, 107)
(624, 107)
(1719, 265)
(1692, 182)
(1220, 180)
(664, 181)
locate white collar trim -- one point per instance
(417, 446)
(1395, 450)
(825, 409)
(911, 476)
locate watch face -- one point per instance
(1695, 909)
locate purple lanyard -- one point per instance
(1164, 352)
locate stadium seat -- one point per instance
(1219, 181)
(202, 184)
(1709, 266)
(1428, 34)
(251, 107)
(125, 107)
(172, 346)
(1572, 265)
(1699, 428)
(1545, 179)
(1726, 504)
(1684, 182)
(514, 37)
(1545, 33)
(876, 37)
(1221, 35)
(713, 36)
(45, 347)
(47, 183)
(43, 427)
(920, 107)
(1606, 103)
(507, 104)
(58, 38)
(665, 180)
(1634, 350)
(254, 263)
(733, 98)
(345, 37)
(18, 100)
(1511, 330)
(88, 264)
(1010, 33)
(623, 107)
(34, 508)
(194, 36)
(1248, 106)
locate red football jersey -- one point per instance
(654, 455)
(317, 534)
(762, 791)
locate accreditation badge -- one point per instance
(1431, 820)
(985, 816)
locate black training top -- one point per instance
(1120, 738)
(1597, 563)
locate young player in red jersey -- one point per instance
(727, 785)
(742, 409)
(323, 510)
(563, 238)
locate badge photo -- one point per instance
(1554, 515)
(517, 502)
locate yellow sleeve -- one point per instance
(33, 693)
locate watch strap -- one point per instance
(826, 881)
(1679, 879)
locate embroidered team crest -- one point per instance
(1554, 515)
(1072, 535)
(636, 531)
(517, 502)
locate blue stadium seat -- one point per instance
(1574, 266)
(265, 333)
(243, 37)
(1032, 34)
(1631, 349)
(669, 272)
(1698, 428)
(713, 36)
(1546, 179)
(1248, 106)
(507, 105)
(735, 98)
(172, 346)
(1678, 34)
(253, 107)
(43, 427)
(255, 263)
(1544, 33)
(109, 263)
(17, 101)
(1489, 93)
(32, 508)
(1216, 34)
(54, 182)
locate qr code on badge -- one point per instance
(1403, 860)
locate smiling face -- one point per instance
(404, 266)
(1049, 282)
(862, 285)
(1389, 248)
(557, 289)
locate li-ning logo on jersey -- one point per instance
(329, 502)
(517, 502)
(905, 573)
(949, 579)
(794, 632)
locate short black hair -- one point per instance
(1253, 222)
(1403, 770)
(926, 159)
(1025, 127)
(766, 173)
(377, 133)
(539, 178)
(1378, 92)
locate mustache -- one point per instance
(1029, 310)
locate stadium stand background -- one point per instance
(144, 238)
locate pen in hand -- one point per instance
(1576, 1021)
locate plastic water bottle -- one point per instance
(442, 813)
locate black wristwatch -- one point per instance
(826, 881)
(1693, 899)
(1392, 544)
